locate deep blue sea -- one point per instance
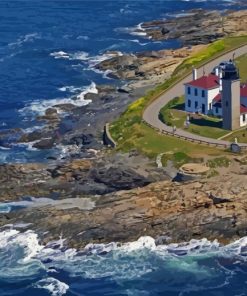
(48, 50)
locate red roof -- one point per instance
(205, 82)
(243, 109)
(217, 103)
(243, 90)
(217, 98)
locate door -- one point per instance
(203, 108)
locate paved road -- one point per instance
(151, 113)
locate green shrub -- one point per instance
(219, 162)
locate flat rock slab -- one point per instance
(194, 168)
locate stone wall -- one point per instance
(107, 138)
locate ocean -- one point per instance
(48, 50)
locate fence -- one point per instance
(193, 140)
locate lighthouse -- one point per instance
(230, 96)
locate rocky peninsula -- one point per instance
(197, 26)
(129, 196)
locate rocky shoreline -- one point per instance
(131, 196)
(215, 208)
(197, 26)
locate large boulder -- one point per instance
(45, 143)
(119, 178)
(82, 140)
(31, 137)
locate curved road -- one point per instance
(151, 113)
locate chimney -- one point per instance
(194, 74)
(220, 84)
(217, 71)
(220, 74)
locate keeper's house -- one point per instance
(219, 94)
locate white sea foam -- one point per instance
(138, 41)
(33, 128)
(83, 37)
(4, 148)
(70, 88)
(54, 286)
(28, 145)
(139, 27)
(79, 55)
(120, 262)
(27, 240)
(39, 107)
(24, 39)
(60, 55)
(103, 73)
(93, 61)
(135, 31)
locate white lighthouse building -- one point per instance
(219, 94)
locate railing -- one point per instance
(193, 140)
(219, 145)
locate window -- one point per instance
(203, 93)
(196, 92)
(189, 103)
(217, 110)
(226, 103)
(188, 90)
(196, 104)
(210, 106)
(244, 117)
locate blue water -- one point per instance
(137, 268)
(33, 71)
(33, 33)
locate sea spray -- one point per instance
(78, 100)
(197, 265)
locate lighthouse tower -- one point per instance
(231, 97)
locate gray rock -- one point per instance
(45, 144)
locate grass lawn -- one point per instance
(242, 65)
(180, 158)
(213, 50)
(205, 126)
(152, 143)
(129, 131)
(219, 162)
(241, 135)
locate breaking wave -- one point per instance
(39, 107)
(80, 55)
(126, 269)
(135, 31)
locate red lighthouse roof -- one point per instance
(205, 82)
(243, 90)
(243, 109)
